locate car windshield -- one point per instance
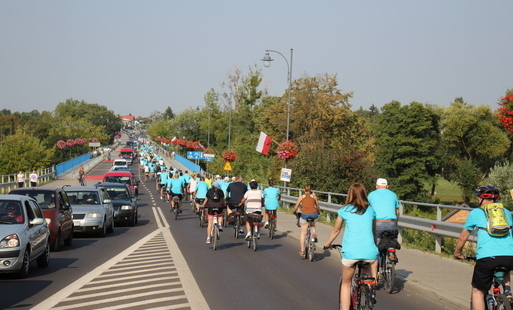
(83, 197)
(117, 193)
(46, 199)
(10, 212)
(117, 179)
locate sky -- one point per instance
(140, 57)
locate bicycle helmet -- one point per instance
(487, 192)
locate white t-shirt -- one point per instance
(33, 177)
(254, 200)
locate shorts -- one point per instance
(180, 196)
(200, 201)
(305, 217)
(351, 262)
(271, 212)
(483, 270)
(211, 210)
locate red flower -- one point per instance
(208, 151)
(229, 156)
(287, 150)
(506, 113)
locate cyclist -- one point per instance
(81, 174)
(174, 188)
(358, 240)
(164, 176)
(386, 205)
(309, 210)
(214, 202)
(272, 195)
(491, 251)
(201, 192)
(254, 201)
(235, 193)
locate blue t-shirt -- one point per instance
(358, 240)
(201, 190)
(163, 177)
(384, 202)
(487, 245)
(175, 185)
(224, 186)
(187, 178)
(271, 197)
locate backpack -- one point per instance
(215, 195)
(497, 225)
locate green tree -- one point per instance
(501, 176)
(407, 138)
(22, 152)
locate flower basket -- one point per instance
(209, 151)
(229, 156)
(506, 113)
(287, 150)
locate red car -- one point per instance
(122, 177)
(57, 212)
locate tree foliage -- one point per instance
(22, 152)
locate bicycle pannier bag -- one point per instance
(497, 225)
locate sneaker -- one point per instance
(266, 225)
(248, 237)
(180, 211)
(208, 240)
(258, 236)
(220, 227)
(509, 296)
(241, 231)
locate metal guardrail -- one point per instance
(438, 228)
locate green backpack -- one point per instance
(497, 224)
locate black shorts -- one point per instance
(200, 201)
(483, 270)
(180, 196)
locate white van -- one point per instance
(120, 162)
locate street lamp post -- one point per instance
(267, 63)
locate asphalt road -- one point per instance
(232, 277)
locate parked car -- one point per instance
(92, 210)
(57, 211)
(125, 177)
(123, 201)
(24, 235)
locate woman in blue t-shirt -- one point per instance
(358, 241)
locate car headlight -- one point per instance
(126, 207)
(94, 215)
(10, 241)
(48, 221)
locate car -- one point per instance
(120, 162)
(92, 210)
(24, 235)
(57, 211)
(123, 201)
(118, 168)
(128, 154)
(122, 177)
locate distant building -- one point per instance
(128, 120)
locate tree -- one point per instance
(472, 141)
(501, 177)
(407, 138)
(169, 113)
(22, 152)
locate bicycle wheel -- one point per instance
(388, 275)
(236, 226)
(271, 228)
(311, 250)
(255, 240)
(307, 238)
(215, 236)
(365, 298)
(175, 210)
(503, 303)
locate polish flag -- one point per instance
(264, 144)
(174, 139)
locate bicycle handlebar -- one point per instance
(333, 246)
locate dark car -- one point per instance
(57, 211)
(124, 177)
(123, 202)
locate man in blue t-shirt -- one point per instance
(491, 251)
(272, 196)
(201, 192)
(386, 205)
(174, 189)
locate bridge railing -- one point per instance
(436, 227)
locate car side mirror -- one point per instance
(37, 221)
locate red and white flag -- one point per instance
(264, 144)
(174, 139)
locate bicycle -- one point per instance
(237, 221)
(272, 223)
(386, 262)
(175, 200)
(363, 296)
(309, 241)
(202, 214)
(214, 233)
(495, 299)
(254, 220)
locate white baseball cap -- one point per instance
(382, 182)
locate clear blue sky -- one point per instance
(142, 56)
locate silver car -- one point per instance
(24, 235)
(92, 210)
